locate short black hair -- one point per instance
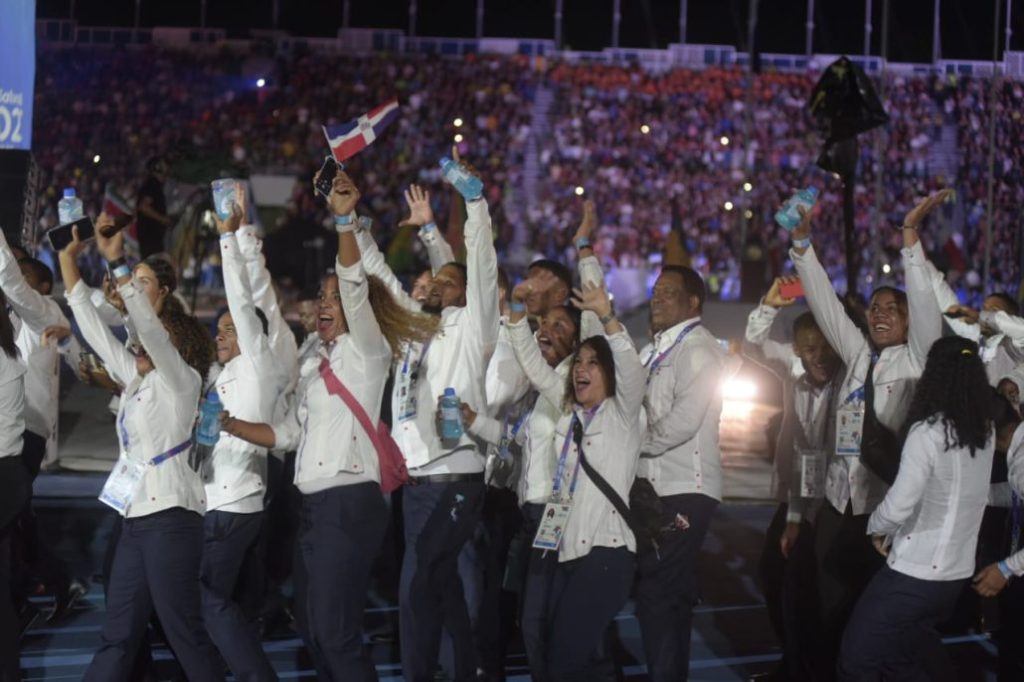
(805, 322)
(1011, 303)
(39, 269)
(559, 270)
(260, 315)
(898, 294)
(461, 268)
(693, 283)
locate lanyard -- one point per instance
(653, 362)
(556, 487)
(859, 393)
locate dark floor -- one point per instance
(732, 637)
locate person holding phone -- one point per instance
(598, 438)
(344, 515)
(927, 525)
(152, 486)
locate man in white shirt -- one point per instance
(810, 372)
(441, 508)
(680, 457)
(902, 328)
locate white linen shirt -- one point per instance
(611, 441)
(236, 472)
(457, 356)
(333, 447)
(12, 406)
(808, 421)
(157, 411)
(680, 453)
(42, 379)
(897, 370)
(933, 509)
(1015, 476)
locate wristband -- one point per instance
(226, 235)
(1005, 569)
(802, 243)
(517, 307)
(605, 319)
(116, 263)
(429, 227)
(122, 271)
(341, 220)
(582, 243)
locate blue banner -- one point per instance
(17, 72)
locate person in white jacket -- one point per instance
(901, 329)
(15, 487)
(598, 439)
(927, 525)
(152, 485)
(337, 467)
(441, 511)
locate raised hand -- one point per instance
(803, 230)
(468, 415)
(964, 314)
(76, 246)
(112, 247)
(112, 296)
(344, 194)
(925, 206)
(593, 298)
(774, 297)
(420, 212)
(233, 222)
(55, 333)
(589, 222)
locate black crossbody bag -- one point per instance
(880, 448)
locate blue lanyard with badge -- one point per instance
(408, 380)
(556, 512)
(850, 424)
(508, 436)
(654, 362)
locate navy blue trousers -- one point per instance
(156, 566)
(229, 540)
(439, 519)
(667, 589)
(340, 534)
(892, 624)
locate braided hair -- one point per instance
(954, 389)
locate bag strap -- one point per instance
(606, 489)
(335, 387)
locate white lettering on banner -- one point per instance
(10, 124)
(11, 97)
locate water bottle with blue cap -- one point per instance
(208, 431)
(451, 418)
(789, 215)
(69, 209)
(459, 177)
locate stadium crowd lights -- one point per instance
(645, 129)
(579, 191)
(724, 140)
(458, 137)
(457, 123)
(886, 268)
(728, 206)
(747, 187)
(261, 82)
(96, 159)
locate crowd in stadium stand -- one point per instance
(634, 141)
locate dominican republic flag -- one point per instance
(115, 206)
(348, 139)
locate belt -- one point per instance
(446, 478)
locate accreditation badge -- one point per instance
(123, 483)
(849, 426)
(552, 525)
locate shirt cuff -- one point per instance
(914, 255)
(349, 273)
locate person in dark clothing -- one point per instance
(152, 220)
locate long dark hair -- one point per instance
(7, 343)
(605, 359)
(954, 390)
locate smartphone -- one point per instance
(120, 222)
(61, 236)
(325, 180)
(791, 289)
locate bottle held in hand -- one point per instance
(467, 184)
(225, 194)
(788, 216)
(208, 431)
(451, 418)
(69, 209)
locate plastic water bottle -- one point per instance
(788, 216)
(451, 417)
(225, 193)
(208, 431)
(69, 209)
(467, 184)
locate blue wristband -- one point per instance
(517, 307)
(802, 243)
(429, 227)
(582, 243)
(122, 271)
(1005, 569)
(342, 220)
(227, 235)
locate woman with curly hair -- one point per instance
(927, 525)
(361, 328)
(152, 486)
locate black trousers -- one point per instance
(340, 535)
(156, 567)
(439, 518)
(846, 562)
(667, 589)
(15, 492)
(534, 602)
(581, 599)
(1010, 635)
(229, 539)
(500, 522)
(892, 624)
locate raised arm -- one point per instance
(482, 274)
(759, 326)
(253, 343)
(32, 307)
(919, 453)
(545, 380)
(421, 215)
(505, 381)
(925, 324)
(590, 271)
(840, 331)
(374, 264)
